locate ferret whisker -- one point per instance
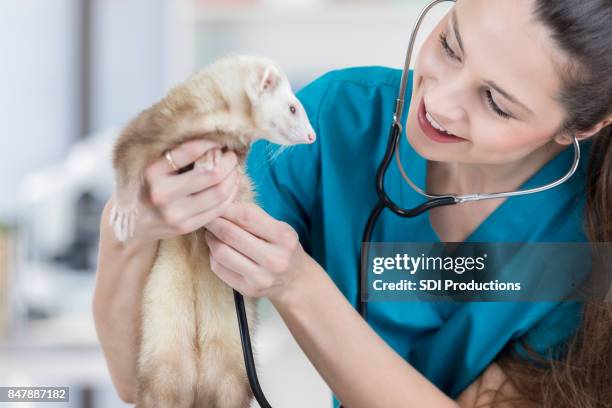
(272, 152)
(278, 152)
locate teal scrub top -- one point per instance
(326, 191)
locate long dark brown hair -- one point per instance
(582, 378)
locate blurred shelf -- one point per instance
(75, 332)
(64, 366)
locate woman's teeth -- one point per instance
(436, 125)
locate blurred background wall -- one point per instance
(72, 73)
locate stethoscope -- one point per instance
(385, 201)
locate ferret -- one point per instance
(190, 351)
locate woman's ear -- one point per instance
(565, 138)
(265, 82)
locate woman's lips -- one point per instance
(433, 133)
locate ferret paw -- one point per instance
(123, 221)
(209, 160)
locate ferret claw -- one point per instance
(209, 160)
(216, 156)
(123, 221)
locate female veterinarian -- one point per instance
(513, 81)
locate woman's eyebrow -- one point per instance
(490, 83)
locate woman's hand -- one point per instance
(254, 253)
(178, 204)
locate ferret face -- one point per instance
(277, 111)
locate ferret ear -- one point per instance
(270, 79)
(267, 81)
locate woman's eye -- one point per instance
(292, 109)
(447, 48)
(451, 54)
(496, 108)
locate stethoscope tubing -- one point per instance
(247, 351)
(386, 202)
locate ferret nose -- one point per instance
(311, 137)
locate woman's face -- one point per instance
(487, 75)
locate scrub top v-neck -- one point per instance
(326, 191)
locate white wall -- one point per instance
(127, 59)
(306, 41)
(40, 78)
(37, 88)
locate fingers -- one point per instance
(198, 179)
(183, 207)
(182, 156)
(191, 217)
(228, 256)
(234, 268)
(254, 219)
(260, 251)
(233, 279)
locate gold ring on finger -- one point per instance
(170, 161)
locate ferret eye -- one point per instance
(292, 109)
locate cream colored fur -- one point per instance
(190, 344)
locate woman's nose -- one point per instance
(445, 107)
(446, 101)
